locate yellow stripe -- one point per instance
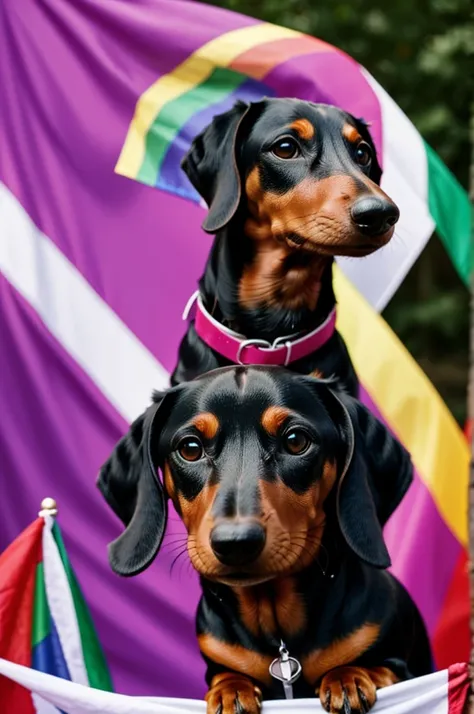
(410, 404)
(193, 71)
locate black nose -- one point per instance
(374, 216)
(237, 543)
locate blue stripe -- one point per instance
(48, 656)
(172, 178)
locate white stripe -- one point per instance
(61, 606)
(402, 141)
(123, 369)
(42, 706)
(405, 179)
(425, 695)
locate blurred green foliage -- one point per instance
(422, 52)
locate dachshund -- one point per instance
(289, 185)
(272, 473)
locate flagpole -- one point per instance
(470, 415)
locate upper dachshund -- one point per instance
(289, 185)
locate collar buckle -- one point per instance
(250, 343)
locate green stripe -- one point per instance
(41, 617)
(175, 114)
(452, 212)
(96, 666)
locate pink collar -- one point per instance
(239, 350)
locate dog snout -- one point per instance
(237, 544)
(374, 215)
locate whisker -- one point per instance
(168, 543)
(176, 559)
(176, 538)
(173, 549)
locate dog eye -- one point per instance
(286, 148)
(296, 441)
(190, 449)
(363, 154)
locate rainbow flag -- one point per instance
(96, 268)
(44, 620)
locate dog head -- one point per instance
(305, 174)
(257, 462)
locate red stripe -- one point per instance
(451, 640)
(458, 688)
(258, 61)
(17, 583)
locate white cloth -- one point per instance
(426, 695)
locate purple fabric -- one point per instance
(416, 546)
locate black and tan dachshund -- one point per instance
(271, 473)
(289, 185)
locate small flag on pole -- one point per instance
(45, 623)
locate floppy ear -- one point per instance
(388, 464)
(211, 166)
(130, 484)
(375, 475)
(375, 169)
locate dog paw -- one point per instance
(352, 690)
(233, 694)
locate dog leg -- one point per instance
(352, 690)
(232, 693)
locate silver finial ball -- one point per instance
(48, 507)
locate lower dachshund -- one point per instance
(275, 485)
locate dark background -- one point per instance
(422, 53)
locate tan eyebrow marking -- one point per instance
(207, 424)
(273, 418)
(303, 128)
(350, 133)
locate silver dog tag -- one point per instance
(286, 669)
